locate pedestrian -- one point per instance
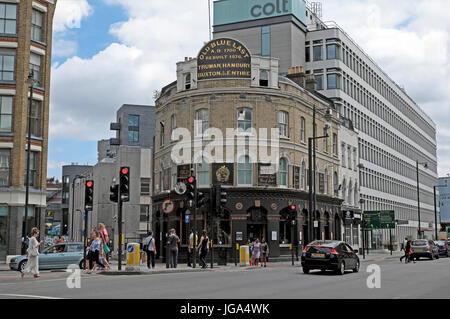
(191, 247)
(250, 246)
(33, 254)
(173, 244)
(265, 251)
(411, 253)
(256, 252)
(203, 248)
(105, 248)
(94, 252)
(59, 240)
(405, 249)
(150, 249)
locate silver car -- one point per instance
(424, 248)
(58, 256)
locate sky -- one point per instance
(112, 52)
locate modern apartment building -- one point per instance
(444, 200)
(394, 133)
(25, 46)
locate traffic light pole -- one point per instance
(120, 233)
(194, 242)
(85, 237)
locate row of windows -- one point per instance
(6, 116)
(347, 153)
(366, 73)
(8, 21)
(389, 185)
(5, 167)
(333, 51)
(7, 66)
(368, 100)
(369, 126)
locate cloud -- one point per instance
(64, 48)
(69, 13)
(87, 92)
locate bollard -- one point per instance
(235, 254)
(133, 257)
(244, 256)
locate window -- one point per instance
(263, 78)
(302, 129)
(133, 128)
(283, 122)
(343, 154)
(332, 51)
(245, 171)
(335, 144)
(6, 107)
(144, 217)
(349, 157)
(335, 184)
(7, 67)
(202, 116)
(187, 81)
(35, 118)
(319, 80)
(303, 175)
(8, 17)
(35, 68)
(36, 25)
(244, 121)
(283, 172)
(145, 186)
(265, 41)
(5, 157)
(33, 169)
(173, 122)
(307, 54)
(333, 81)
(317, 53)
(203, 173)
(161, 134)
(325, 140)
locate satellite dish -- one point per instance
(180, 188)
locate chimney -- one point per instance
(297, 75)
(311, 83)
(185, 58)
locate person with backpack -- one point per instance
(265, 252)
(203, 248)
(150, 249)
(173, 245)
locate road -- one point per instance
(425, 279)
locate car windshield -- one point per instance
(331, 244)
(420, 243)
(440, 243)
(319, 249)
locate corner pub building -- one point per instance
(227, 87)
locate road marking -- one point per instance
(30, 296)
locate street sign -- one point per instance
(380, 219)
(167, 206)
(187, 218)
(180, 188)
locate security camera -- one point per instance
(327, 126)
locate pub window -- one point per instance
(302, 129)
(203, 173)
(244, 122)
(283, 122)
(187, 81)
(202, 118)
(263, 78)
(283, 172)
(245, 171)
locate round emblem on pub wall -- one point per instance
(239, 206)
(274, 206)
(223, 174)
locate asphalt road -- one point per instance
(425, 279)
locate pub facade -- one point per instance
(235, 124)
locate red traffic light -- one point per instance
(292, 207)
(190, 180)
(89, 184)
(124, 171)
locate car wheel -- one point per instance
(356, 269)
(305, 270)
(22, 265)
(341, 269)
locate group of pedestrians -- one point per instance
(98, 249)
(406, 247)
(258, 251)
(202, 248)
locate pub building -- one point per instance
(228, 87)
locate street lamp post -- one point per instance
(419, 233)
(31, 82)
(312, 177)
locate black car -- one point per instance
(444, 247)
(329, 255)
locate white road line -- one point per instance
(30, 296)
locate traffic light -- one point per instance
(201, 200)
(89, 195)
(124, 184)
(292, 212)
(223, 197)
(114, 195)
(190, 188)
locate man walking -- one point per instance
(191, 247)
(404, 249)
(150, 249)
(173, 245)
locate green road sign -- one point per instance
(380, 219)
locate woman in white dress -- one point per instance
(33, 254)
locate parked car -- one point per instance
(444, 247)
(424, 248)
(58, 256)
(329, 255)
